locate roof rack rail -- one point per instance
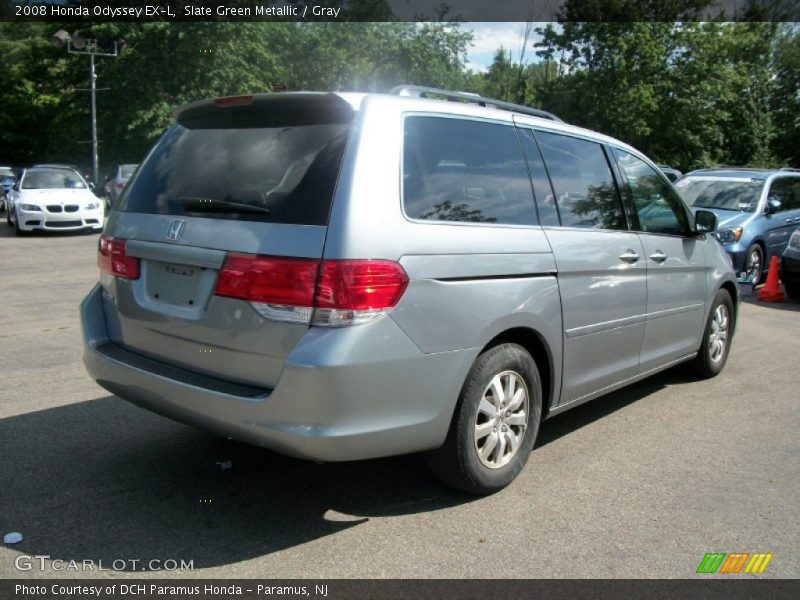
(418, 91)
(793, 169)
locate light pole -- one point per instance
(77, 44)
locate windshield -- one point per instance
(726, 193)
(272, 174)
(5, 173)
(125, 171)
(51, 179)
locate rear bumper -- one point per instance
(344, 394)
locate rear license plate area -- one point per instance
(177, 285)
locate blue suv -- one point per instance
(757, 210)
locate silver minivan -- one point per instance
(347, 276)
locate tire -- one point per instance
(458, 462)
(792, 289)
(19, 232)
(754, 251)
(711, 357)
(8, 217)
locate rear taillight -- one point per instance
(120, 185)
(111, 259)
(279, 288)
(330, 293)
(355, 291)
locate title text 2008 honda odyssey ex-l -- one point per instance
(348, 276)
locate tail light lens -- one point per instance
(350, 292)
(111, 259)
(331, 293)
(120, 185)
(281, 289)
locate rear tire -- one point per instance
(716, 344)
(495, 423)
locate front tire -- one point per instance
(754, 263)
(716, 344)
(495, 422)
(17, 230)
(792, 289)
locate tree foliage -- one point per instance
(687, 93)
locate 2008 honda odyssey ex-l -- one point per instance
(348, 276)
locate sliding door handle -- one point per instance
(629, 256)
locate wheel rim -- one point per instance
(753, 266)
(502, 419)
(718, 338)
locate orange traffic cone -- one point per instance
(771, 292)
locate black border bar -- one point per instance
(732, 588)
(398, 10)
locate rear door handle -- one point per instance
(629, 256)
(658, 256)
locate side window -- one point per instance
(585, 192)
(787, 190)
(469, 171)
(658, 209)
(545, 200)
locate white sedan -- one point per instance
(53, 199)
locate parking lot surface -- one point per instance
(641, 483)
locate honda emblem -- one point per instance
(176, 229)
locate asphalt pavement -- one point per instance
(641, 483)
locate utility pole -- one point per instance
(77, 44)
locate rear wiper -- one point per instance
(225, 206)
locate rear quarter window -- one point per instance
(290, 171)
(465, 171)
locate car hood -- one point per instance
(726, 218)
(57, 196)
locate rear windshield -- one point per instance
(50, 179)
(218, 173)
(127, 170)
(727, 193)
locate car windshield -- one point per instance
(51, 179)
(6, 173)
(726, 193)
(125, 171)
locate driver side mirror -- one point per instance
(705, 221)
(773, 205)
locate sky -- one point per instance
(488, 37)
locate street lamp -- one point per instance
(77, 44)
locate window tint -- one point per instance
(787, 190)
(658, 209)
(545, 201)
(582, 181)
(291, 171)
(459, 170)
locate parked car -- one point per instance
(672, 174)
(53, 199)
(790, 266)
(389, 279)
(7, 178)
(757, 210)
(122, 173)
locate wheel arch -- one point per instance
(536, 345)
